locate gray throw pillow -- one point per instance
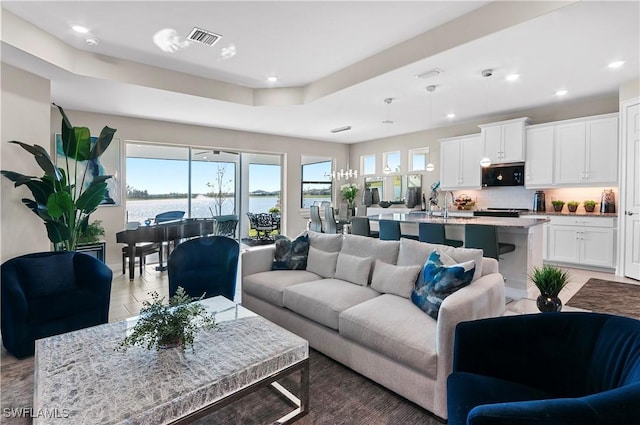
(396, 280)
(291, 255)
(353, 269)
(322, 263)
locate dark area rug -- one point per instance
(607, 296)
(337, 396)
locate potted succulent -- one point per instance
(573, 206)
(169, 325)
(549, 280)
(589, 205)
(557, 205)
(64, 197)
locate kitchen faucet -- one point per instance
(446, 204)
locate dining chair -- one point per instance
(435, 233)
(330, 223)
(485, 237)
(316, 222)
(361, 226)
(344, 214)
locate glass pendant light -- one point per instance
(486, 161)
(430, 165)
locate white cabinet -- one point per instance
(460, 162)
(582, 240)
(503, 141)
(539, 154)
(586, 151)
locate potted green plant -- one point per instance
(589, 205)
(573, 205)
(61, 197)
(349, 192)
(93, 233)
(549, 280)
(557, 205)
(169, 325)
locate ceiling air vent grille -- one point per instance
(204, 37)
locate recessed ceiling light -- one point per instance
(616, 64)
(451, 115)
(272, 79)
(561, 92)
(80, 29)
(512, 77)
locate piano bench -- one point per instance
(142, 250)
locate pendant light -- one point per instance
(430, 165)
(486, 73)
(388, 100)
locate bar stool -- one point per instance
(485, 237)
(390, 231)
(435, 233)
(361, 226)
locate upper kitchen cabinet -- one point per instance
(460, 162)
(586, 151)
(539, 153)
(503, 141)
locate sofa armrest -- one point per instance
(257, 260)
(489, 265)
(483, 298)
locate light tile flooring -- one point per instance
(127, 296)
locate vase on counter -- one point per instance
(375, 196)
(608, 202)
(367, 197)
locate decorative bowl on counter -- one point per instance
(464, 202)
(384, 204)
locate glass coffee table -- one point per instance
(81, 379)
(528, 306)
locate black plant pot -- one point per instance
(546, 304)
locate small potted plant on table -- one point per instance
(549, 280)
(573, 206)
(557, 205)
(169, 325)
(589, 205)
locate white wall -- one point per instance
(25, 117)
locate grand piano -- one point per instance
(170, 232)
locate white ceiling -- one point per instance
(306, 43)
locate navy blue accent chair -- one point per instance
(547, 368)
(485, 237)
(169, 216)
(50, 293)
(206, 265)
(435, 233)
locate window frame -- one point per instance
(324, 182)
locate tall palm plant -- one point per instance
(62, 202)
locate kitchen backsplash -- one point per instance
(519, 197)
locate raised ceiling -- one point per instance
(336, 61)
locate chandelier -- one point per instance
(344, 174)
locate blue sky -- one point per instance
(159, 176)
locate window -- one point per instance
(391, 162)
(316, 182)
(419, 158)
(367, 164)
(264, 187)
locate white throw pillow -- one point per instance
(396, 280)
(322, 263)
(353, 269)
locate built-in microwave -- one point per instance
(503, 175)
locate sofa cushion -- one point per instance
(363, 246)
(322, 301)
(325, 241)
(413, 253)
(437, 281)
(321, 262)
(291, 255)
(393, 326)
(269, 286)
(353, 269)
(397, 280)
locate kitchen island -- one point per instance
(525, 233)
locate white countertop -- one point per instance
(421, 217)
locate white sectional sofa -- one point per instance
(383, 336)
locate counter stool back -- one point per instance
(435, 233)
(485, 237)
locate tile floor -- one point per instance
(127, 296)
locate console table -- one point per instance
(81, 377)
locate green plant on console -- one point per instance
(557, 203)
(92, 233)
(58, 199)
(169, 325)
(549, 280)
(589, 204)
(573, 203)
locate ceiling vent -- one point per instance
(205, 37)
(430, 74)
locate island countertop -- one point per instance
(420, 217)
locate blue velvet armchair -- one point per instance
(550, 368)
(50, 293)
(205, 265)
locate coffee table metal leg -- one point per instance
(302, 402)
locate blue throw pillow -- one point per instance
(291, 255)
(437, 281)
